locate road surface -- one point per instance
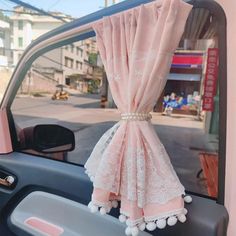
(83, 115)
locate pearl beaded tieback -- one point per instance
(136, 116)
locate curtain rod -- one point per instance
(89, 26)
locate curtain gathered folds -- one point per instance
(129, 163)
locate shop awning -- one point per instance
(184, 77)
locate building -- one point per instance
(5, 45)
(81, 58)
(29, 25)
(109, 2)
(70, 64)
(184, 83)
(73, 59)
(73, 65)
(5, 55)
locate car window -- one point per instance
(64, 87)
(68, 86)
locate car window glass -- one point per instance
(68, 86)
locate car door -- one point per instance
(42, 193)
(25, 174)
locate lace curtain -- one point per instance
(129, 163)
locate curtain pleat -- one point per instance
(129, 163)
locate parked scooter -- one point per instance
(60, 94)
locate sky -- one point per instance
(75, 8)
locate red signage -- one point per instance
(187, 60)
(210, 84)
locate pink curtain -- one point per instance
(129, 163)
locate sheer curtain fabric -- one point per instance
(129, 163)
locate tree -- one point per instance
(4, 17)
(93, 59)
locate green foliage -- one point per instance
(93, 86)
(4, 17)
(93, 59)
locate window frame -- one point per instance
(218, 11)
(20, 25)
(20, 42)
(68, 34)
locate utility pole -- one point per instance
(106, 3)
(113, 2)
(104, 90)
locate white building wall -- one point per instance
(76, 57)
(28, 33)
(40, 28)
(33, 27)
(17, 50)
(5, 44)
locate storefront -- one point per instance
(182, 93)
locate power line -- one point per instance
(50, 59)
(27, 13)
(63, 47)
(6, 4)
(21, 12)
(11, 49)
(54, 4)
(56, 62)
(27, 5)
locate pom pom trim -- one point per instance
(149, 223)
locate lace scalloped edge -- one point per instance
(180, 193)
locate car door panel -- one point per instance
(45, 173)
(5, 137)
(205, 217)
(34, 173)
(52, 217)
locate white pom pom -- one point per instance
(161, 224)
(92, 178)
(128, 231)
(108, 209)
(128, 222)
(151, 226)
(93, 209)
(109, 204)
(172, 221)
(122, 218)
(114, 203)
(188, 199)
(142, 226)
(185, 211)
(134, 231)
(181, 218)
(103, 211)
(90, 205)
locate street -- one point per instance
(182, 136)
